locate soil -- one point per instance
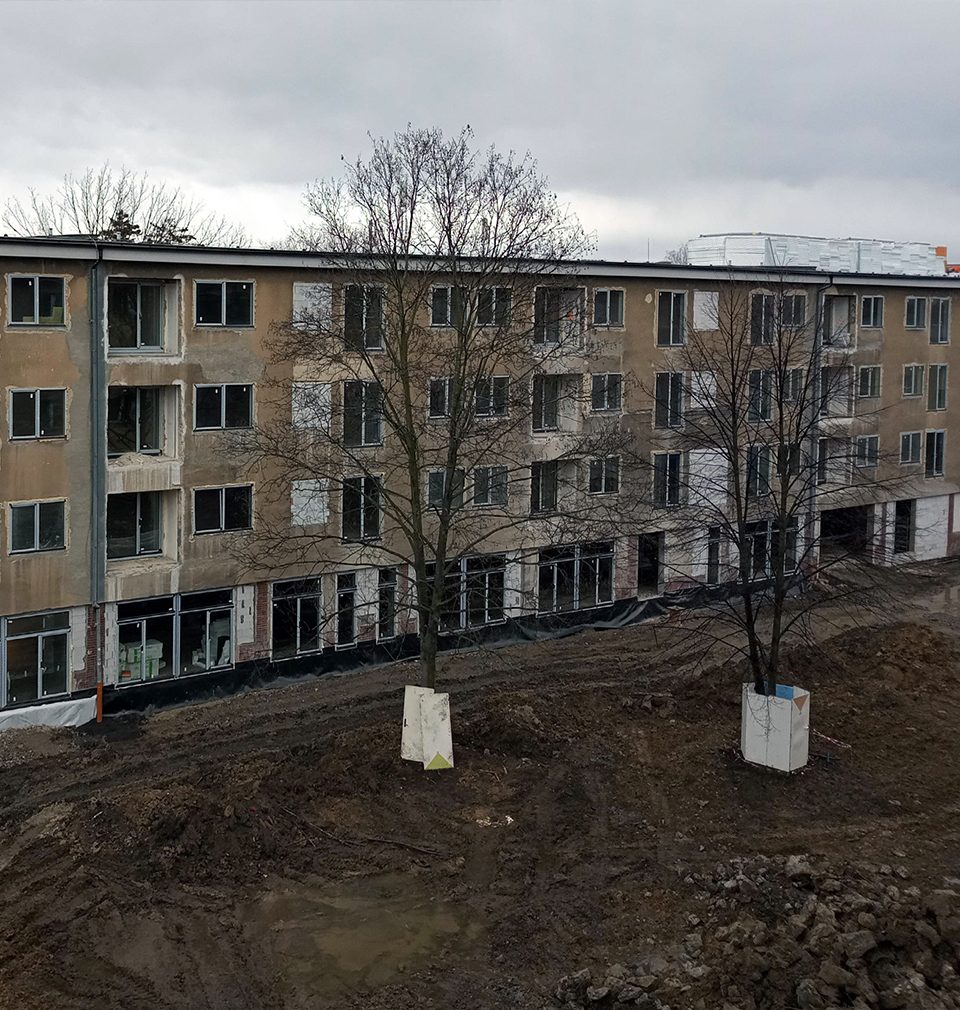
(271, 850)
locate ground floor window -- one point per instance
(575, 577)
(347, 608)
(387, 603)
(297, 618)
(174, 636)
(473, 591)
(762, 547)
(714, 543)
(35, 657)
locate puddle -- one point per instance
(353, 934)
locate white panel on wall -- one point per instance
(309, 505)
(705, 309)
(312, 305)
(707, 477)
(246, 597)
(310, 405)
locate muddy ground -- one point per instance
(271, 850)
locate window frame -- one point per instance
(368, 416)
(608, 323)
(603, 388)
(672, 408)
(160, 531)
(909, 461)
(935, 387)
(579, 555)
(669, 483)
(489, 502)
(916, 369)
(937, 434)
(222, 386)
(38, 392)
(223, 528)
(866, 452)
(223, 324)
(876, 318)
(539, 402)
(674, 296)
(140, 284)
(367, 346)
(762, 324)
(35, 323)
(364, 536)
(314, 593)
(915, 301)
(538, 468)
(498, 318)
(38, 635)
(870, 370)
(36, 507)
(942, 326)
(493, 383)
(600, 467)
(160, 421)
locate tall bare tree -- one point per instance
(753, 449)
(432, 390)
(123, 205)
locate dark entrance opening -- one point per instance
(847, 531)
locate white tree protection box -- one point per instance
(775, 728)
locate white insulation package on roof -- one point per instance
(831, 255)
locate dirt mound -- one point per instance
(795, 932)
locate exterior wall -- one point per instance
(194, 354)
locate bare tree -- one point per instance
(753, 447)
(121, 205)
(405, 390)
(680, 255)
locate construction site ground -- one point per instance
(271, 849)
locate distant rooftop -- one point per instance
(830, 255)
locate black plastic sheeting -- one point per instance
(532, 628)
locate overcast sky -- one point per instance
(656, 121)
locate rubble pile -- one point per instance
(788, 932)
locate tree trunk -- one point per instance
(428, 655)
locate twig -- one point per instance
(830, 739)
(377, 839)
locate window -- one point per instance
(793, 385)
(833, 461)
(544, 480)
(360, 510)
(916, 316)
(135, 314)
(222, 407)
(867, 452)
(38, 413)
(491, 396)
(608, 308)
(558, 315)
(134, 420)
(794, 311)
(939, 320)
(297, 618)
(310, 405)
(666, 478)
(933, 457)
(668, 410)
(575, 578)
(346, 622)
(446, 306)
(363, 317)
(439, 405)
(224, 303)
(36, 657)
(868, 384)
(762, 319)
(760, 400)
(788, 459)
(206, 631)
(836, 391)
(133, 524)
(546, 402)
(386, 603)
(223, 509)
(308, 502)
(649, 563)
(490, 485)
(913, 380)
(606, 391)
(758, 471)
(871, 311)
(904, 525)
(440, 495)
(36, 301)
(937, 388)
(494, 306)
(37, 526)
(362, 413)
(910, 447)
(472, 591)
(671, 318)
(604, 475)
(714, 546)
(764, 547)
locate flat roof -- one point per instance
(91, 250)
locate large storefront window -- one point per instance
(473, 592)
(174, 636)
(575, 577)
(297, 618)
(35, 657)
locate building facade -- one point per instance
(124, 366)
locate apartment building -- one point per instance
(125, 367)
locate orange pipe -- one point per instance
(100, 701)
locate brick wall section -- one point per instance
(87, 678)
(259, 648)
